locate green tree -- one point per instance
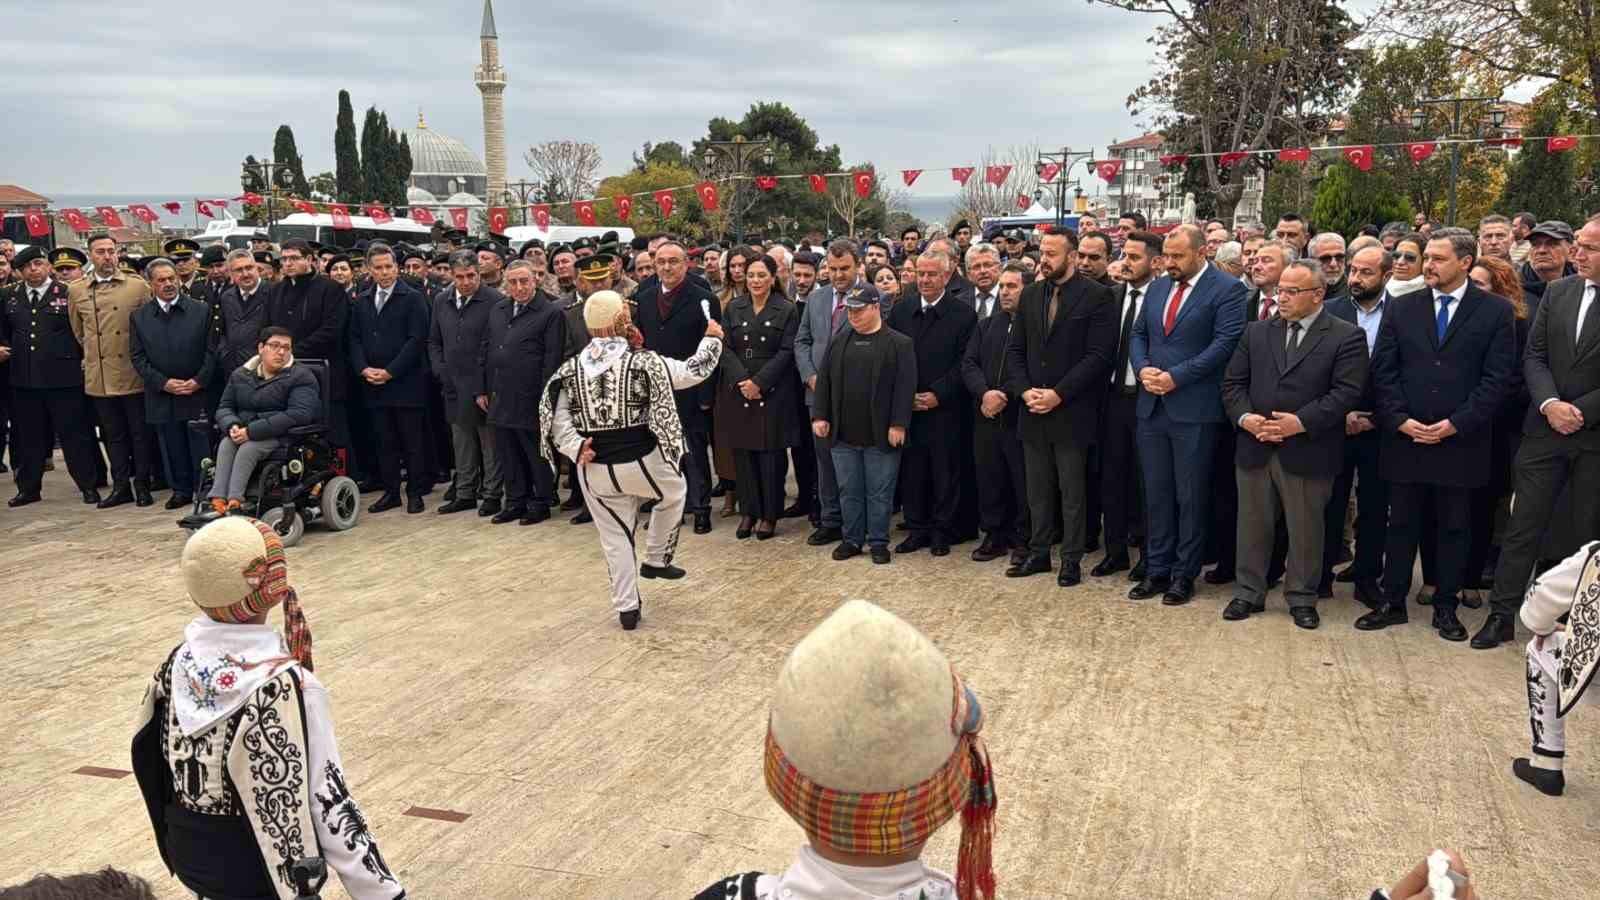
(349, 184)
(1349, 198)
(284, 153)
(1538, 180)
(324, 186)
(796, 152)
(666, 153)
(688, 218)
(374, 156)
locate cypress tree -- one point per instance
(346, 160)
(371, 156)
(284, 152)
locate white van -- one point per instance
(562, 234)
(316, 227)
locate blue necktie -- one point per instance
(1443, 320)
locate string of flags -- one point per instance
(708, 192)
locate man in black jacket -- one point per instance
(671, 313)
(455, 354)
(388, 351)
(1061, 352)
(1288, 387)
(524, 342)
(241, 313)
(996, 449)
(313, 308)
(170, 347)
(1121, 482)
(940, 328)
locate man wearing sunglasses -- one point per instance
(1328, 252)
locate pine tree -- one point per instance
(346, 160)
(1349, 198)
(1541, 181)
(284, 152)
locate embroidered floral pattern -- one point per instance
(204, 682)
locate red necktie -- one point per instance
(1173, 304)
(1267, 303)
(838, 310)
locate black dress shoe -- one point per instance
(629, 619)
(797, 511)
(766, 535)
(455, 506)
(1071, 574)
(1239, 609)
(880, 554)
(845, 550)
(824, 536)
(450, 494)
(1446, 623)
(1150, 586)
(1033, 565)
(744, 530)
(414, 505)
(1219, 575)
(536, 513)
(178, 501)
(1305, 617)
(1496, 630)
(509, 514)
(582, 518)
(385, 503)
(668, 571)
(702, 523)
(91, 497)
(1369, 594)
(23, 498)
(123, 494)
(1109, 566)
(988, 550)
(1548, 781)
(939, 547)
(1382, 616)
(913, 543)
(1181, 592)
(1471, 598)
(573, 501)
(1139, 571)
(141, 496)
(1019, 555)
(489, 507)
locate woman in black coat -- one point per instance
(756, 412)
(1498, 277)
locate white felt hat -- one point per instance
(601, 309)
(864, 703)
(215, 560)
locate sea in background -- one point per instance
(932, 209)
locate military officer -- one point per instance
(47, 405)
(99, 309)
(185, 255)
(68, 263)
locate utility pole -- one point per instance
(1066, 159)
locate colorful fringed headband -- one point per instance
(271, 571)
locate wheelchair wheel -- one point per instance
(296, 529)
(341, 503)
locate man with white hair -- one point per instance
(1328, 252)
(1230, 258)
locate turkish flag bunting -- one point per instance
(541, 216)
(1295, 154)
(204, 208)
(1108, 169)
(1504, 142)
(76, 219)
(1233, 156)
(38, 223)
(1360, 157)
(819, 183)
(1558, 144)
(766, 182)
(624, 204)
(863, 182)
(996, 175)
(584, 209)
(1175, 159)
(220, 204)
(251, 198)
(108, 215)
(1048, 171)
(1023, 202)
(1420, 150)
(341, 216)
(708, 195)
(305, 206)
(421, 216)
(664, 200)
(961, 173)
(499, 218)
(458, 217)
(173, 207)
(377, 213)
(144, 213)
(909, 176)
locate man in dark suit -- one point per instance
(388, 349)
(1561, 435)
(1442, 366)
(1181, 344)
(241, 313)
(1289, 385)
(940, 328)
(314, 309)
(1062, 348)
(1121, 483)
(671, 314)
(455, 356)
(524, 342)
(170, 345)
(996, 449)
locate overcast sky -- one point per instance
(170, 97)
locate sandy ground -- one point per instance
(1141, 751)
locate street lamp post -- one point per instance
(1419, 118)
(737, 154)
(524, 190)
(267, 177)
(1066, 159)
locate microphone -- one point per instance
(705, 307)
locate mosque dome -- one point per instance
(463, 199)
(416, 196)
(442, 165)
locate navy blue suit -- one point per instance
(1178, 432)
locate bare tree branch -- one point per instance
(565, 170)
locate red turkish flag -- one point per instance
(341, 216)
(1232, 156)
(1558, 144)
(909, 176)
(377, 213)
(251, 198)
(499, 218)
(76, 219)
(624, 204)
(420, 216)
(819, 183)
(38, 222)
(204, 208)
(1295, 154)
(766, 182)
(664, 200)
(173, 207)
(305, 206)
(221, 204)
(541, 216)
(584, 209)
(1360, 157)
(1420, 150)
(458, 217)
(961, 173)
(1048, 171)
(1108, 169)
(1504, 142)
(708, 195)
(996, 175)
(1175, 159)
(1023, 202)
(144, 213)
(109, 216)
(863, 182)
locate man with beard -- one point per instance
(1550, 249)
(439, 276)
(1002, 488)
(99, 309)
(414, 266)
(1121, 482)
(711, 266)
(455, 353)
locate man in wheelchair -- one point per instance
(264, 399)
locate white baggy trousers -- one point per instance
(647, 494)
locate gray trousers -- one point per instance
(1053, 468)
(478, 473)
(828, 510)
(235, 464)
(1265, 494)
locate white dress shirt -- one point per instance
(1589, 290)
(985, 302)
(1134, 297)
(1455, 304)
(1188, 290)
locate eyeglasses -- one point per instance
(277, 347)
(1332, 258)
(1296, 292)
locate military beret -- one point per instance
(439, 259)
(266, 256)
(338, 258)
(640, 243)
(213, 255)
(410, 253)
(27, 255)
(583, 242)
(490, 247)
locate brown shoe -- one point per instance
(219, 505)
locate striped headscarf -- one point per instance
(271, 573)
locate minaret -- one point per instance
(491, 80)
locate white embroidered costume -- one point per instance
(1561, 666)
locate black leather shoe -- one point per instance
(141, 496)
(450, 494)
(988, 550)
(913, 543)
(668, 571)
(536, 513)
(489, 507)
(509, 514)
(91, 497)
(573, 501)
(1368, 592)
(23, 498)
(1384, 615)
(385, 503)
(1448, 626)
(1181, 592)
(1109, 566)
(743, 531)
(1472, 598)
(123, 494)
(822, 537)
(1549, 781)
(1238, 609)
(629, 619)
(1019, 555)
(455, 506)
(178, 501)
(414, 505)
(939, 548)
(582, 518)
(1497, 629)
(880, 554)
(797, 511)
(1033, 565)
(1305, 617)
(1138, 572)
(702, 523)
(1219, 575)
(1150, 586)
(845, 550)
(1071, 574)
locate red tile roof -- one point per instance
(1142, 142)
(12, 195)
